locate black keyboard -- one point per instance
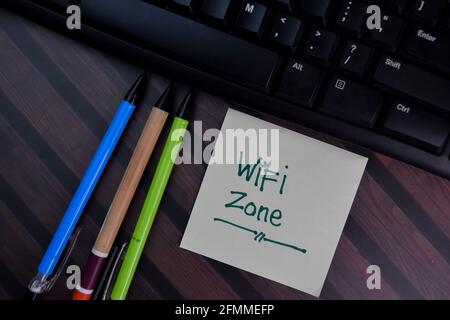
(312, 61)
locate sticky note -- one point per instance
(280, 223)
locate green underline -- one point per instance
(236, 225)
(285, 245)
(255, 232)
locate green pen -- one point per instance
(152, 201)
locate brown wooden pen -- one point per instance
(123, 197)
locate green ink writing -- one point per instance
(259, 175)
(268, 176)
(247, 169)
(261, 212)
(248, 172)
(261, 236)
(232, 204)
(274, 216)
(283, 182)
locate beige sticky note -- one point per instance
(287, 232)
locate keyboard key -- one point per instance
(288, 4)
(251, 17)
(356, 58)
(217, 9)
(240, 61)
(415, 82)
(317, 9)
(430, 47)
(285, 30)
(283, 2)
(300, 83)
(321, 44)
(187, 4)
(393, 5)
(389, 35)
(352, 17)
(417, 126)
(427, 11)
(447, 23)
(60, 3)
(353, 102)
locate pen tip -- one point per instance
(137, 90)
(185, 104)
(164, 101)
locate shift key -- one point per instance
(413, 81)
(417, 126)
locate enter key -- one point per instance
(417, 126)
(431, 47)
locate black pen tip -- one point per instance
(165, 100)
(185, 105)
(136, 92)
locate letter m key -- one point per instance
(249, 7)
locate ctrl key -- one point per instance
(417, 126)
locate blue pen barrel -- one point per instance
(86, 187)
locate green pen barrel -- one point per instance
(150, 208)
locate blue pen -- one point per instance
(51, 257)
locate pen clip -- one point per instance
(72, 242)
(110, 274)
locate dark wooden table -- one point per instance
(57, 97)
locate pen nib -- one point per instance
(137, 89)
(185, 104)
(164, 101)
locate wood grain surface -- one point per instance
(57, 97)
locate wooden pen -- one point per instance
(119, 207)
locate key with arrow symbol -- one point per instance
(286, 30)
(321, 44)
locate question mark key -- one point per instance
(356, 58)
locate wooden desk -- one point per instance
(57, 97)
